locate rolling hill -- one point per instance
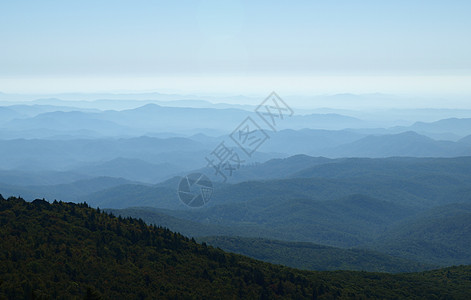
(131, 169)
(38, 154)
(466, 140)
(441, 236)
(459, 126)
(408, 143)
(345, 222)
(308, 256)
(294, 254)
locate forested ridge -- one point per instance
(71, 251)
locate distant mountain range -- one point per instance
(412, 181)
(58, 118)
(154, 118)
(152, 159)
(69, 154)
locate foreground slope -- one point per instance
(64, 250)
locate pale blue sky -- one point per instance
(42, 39)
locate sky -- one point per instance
(238, 47)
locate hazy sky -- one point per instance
(130, 45)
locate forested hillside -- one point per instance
(71, 251)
